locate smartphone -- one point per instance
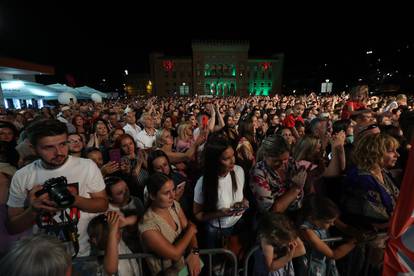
(115, 155)
(238, 209)
(204, 121)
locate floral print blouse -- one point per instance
(268, 185)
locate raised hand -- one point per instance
(110, 168)
(113, 221)
(300, 178)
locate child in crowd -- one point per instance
(120, 200)
(295, 116)
(359, 95)
(105, 235)
(319, 215)
(279, 245)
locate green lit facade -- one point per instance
(217, 68)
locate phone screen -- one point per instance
(237, 209)
(204, 121)
(115, 155)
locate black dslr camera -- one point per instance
(58, 191)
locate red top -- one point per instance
(346, 114)
(290, 121)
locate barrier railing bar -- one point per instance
(140, 256)
(333, 239)
(140, 266)
(210, 264)
(246, 262)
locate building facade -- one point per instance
(219, 68)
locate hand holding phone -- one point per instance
(115, 155)
(238, 209)
(204, 121)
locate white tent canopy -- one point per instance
(18, 89)
(64, 88)
(20, 93)
(88, 91)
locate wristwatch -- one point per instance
(195, 250)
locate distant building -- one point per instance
(136, 84)
(216, 68)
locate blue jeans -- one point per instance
(214, 235)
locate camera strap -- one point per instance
(65, 231)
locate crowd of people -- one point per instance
(171, 176)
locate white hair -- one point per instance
(39, 255)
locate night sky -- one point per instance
(95, 42)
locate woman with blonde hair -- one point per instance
(308, 153)
(165, 142)
(185, 137)
(371, 193)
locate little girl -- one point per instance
(279, 245)
(319, 214)
(359, 95)
(121, 201)
(105, 235)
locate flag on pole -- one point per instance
(399, 254)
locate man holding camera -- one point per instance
(31, 200)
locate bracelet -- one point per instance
(195, 251)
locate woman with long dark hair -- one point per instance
(158, 161)
(166, 232)
(133, 163)
(79, 123)
(218, 195)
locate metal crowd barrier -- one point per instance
(333, 239)
(140, 256)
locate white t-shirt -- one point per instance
(132, 130)
(126, 267)
(225, 196)
(82, 171)
(144, 140)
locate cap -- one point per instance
(65, 108)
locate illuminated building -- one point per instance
(220, 68)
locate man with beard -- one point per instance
(49, 140)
